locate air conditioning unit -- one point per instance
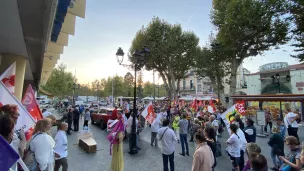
(72, 4)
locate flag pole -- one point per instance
(22, 164)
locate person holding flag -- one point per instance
(18, 141)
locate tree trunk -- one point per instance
(168, 90)
(232, 82)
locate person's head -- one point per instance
(292, 142)
(257, 161)
(63, 126)
(43, 126)
(7, 128)
(87, 110)
(275, 129)
(52, 118)
(288, 110)
(233, 128)
(199, 138)
(237, 117)
(166, 122)
(211, 118)
(253, 148)
(279, 121)
(210, 132)
(196, 121)
(249, 122)
(44, 110)
(10, 110)
(184, 116)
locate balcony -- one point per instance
(187, 88)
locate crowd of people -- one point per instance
(172, 125)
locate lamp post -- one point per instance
(140, 60)
(276, 80)
(75, 86)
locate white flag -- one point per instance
(25, 120)
(8, 78)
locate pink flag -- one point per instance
(30, 102)
(25, 120)
(8, 78)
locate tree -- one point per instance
(172, 51)
(297, 11)
(128, 82)
(60, 83)
(247, 28)
(148, 89)
(139, 84)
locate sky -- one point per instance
(110, 24)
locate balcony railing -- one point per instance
(187, 88)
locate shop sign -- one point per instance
(273, 66)
(300, 85)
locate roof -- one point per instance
(290, 67)
(270, 97)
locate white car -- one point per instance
(103, 103)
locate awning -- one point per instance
(45, 92)
(272, 98)
(62, 9)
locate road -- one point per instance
(149, 157)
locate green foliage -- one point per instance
(129, 83)
(297, 11)
(247, 28)
(172, 50)
(60, 83)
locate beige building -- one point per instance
(33, 34)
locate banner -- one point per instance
(30, 103)
(8, 78)
(25, 120)
(229, 117)
(8, 155)
(148, 113)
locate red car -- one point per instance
(102, 116)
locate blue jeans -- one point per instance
(183, 139)
(274, 158)
(169, 158)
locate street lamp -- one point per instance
(75, 86)
(276, 80)
(140, 61)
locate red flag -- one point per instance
(31, 105)
(240, 107)
(211, 107)
(194, 104)
(8, 78)
(200, 104)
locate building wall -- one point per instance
(297, 81)
(253, 85)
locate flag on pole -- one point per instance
(30, 103)
(8, 78)
(25, 120)
(148, 113)
(194, 105)
(8, 156)
(211, 107)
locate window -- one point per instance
(191, 84)
(199, 88)
(184, 84)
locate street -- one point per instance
(149, 157)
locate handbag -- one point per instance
(29, 156)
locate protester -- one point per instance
(18, 142)
(257, 162)
(195, 126)
(251, 149)
(290, 121)
(276, 142)
(281, 126)
(129, 128)
(117, 163)
(45, 113)
(239, 121)
(76, 116)
(42, 145)
(210, 135)
(302, 157)
(234, 147)
(175, 126)
(183, 134)
(168, 139)
(53, 119)
(250, 131)
(293, 158)
(155, 126)
(203, 159)
(87, 118)
(68, 117)
(268, 119)
(61, 148)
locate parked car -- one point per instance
(102, 116)
(103, 103)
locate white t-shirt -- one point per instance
(155, 125)
(234, 146)
(289, 117)
(61, 146)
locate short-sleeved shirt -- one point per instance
(294, 154)
(287, 119)
(234, 146)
